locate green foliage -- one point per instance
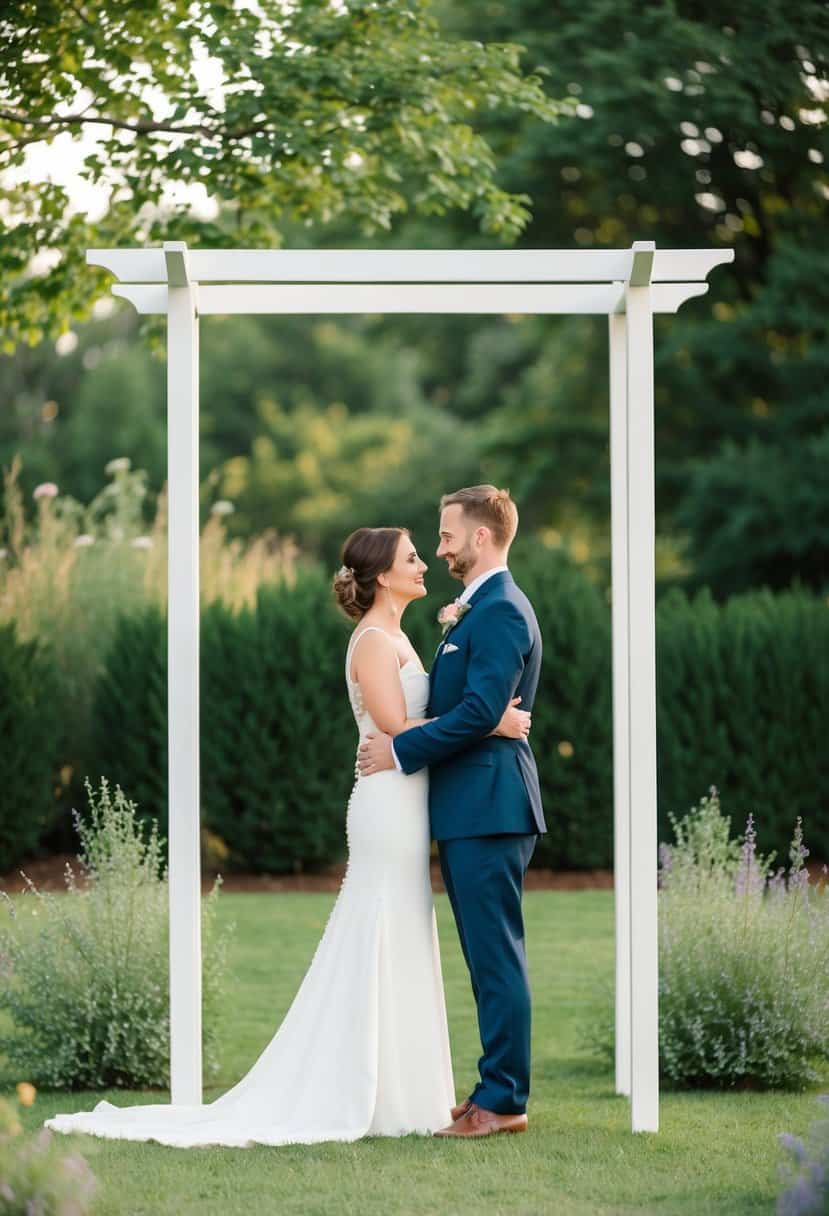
(361, 111)
(87, 990)
(695, 127)
(760, 514)
(278, 739)
(743, 961)
(572, 731)
(277, 734)
(67, 575)
(324, 472)
(38, 1174)
(66, 578)
(130, 711)
(645, 146)
(742, 699)
(742, 702)
(277, 728)
(30, 727)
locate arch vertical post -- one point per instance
(183, 679)
(617, 336)
(644, 946)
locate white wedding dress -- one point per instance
(364, 1048)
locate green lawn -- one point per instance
(716, 1153)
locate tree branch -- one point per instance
(140, 128)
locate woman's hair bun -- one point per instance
(345, 591)
(366, 553)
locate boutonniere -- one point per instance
(450, 614)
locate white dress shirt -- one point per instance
(464, 597)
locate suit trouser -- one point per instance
(484, 878)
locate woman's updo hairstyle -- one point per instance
(366, 553)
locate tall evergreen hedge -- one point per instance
(30, 728)
(277, 737)
(743, 704)
(572, 730)
(742, 690)
(130, 713)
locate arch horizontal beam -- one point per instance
(341, 298)
(410, 265)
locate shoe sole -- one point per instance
(498, 1131)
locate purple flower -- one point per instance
(792, 1144)
(749, 879)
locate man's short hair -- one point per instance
(489, 506)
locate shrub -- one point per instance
(130, 712)
(277, 735)
(28, 727)
(87, 988)
(38, 1176)
(742, 703)
(572, 732)
(807, 1190)
(742, 699)
(69, 575)
(743, 961)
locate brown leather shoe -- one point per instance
(479, 1122)
(461, 1109)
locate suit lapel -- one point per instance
(486, 588)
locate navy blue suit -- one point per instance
(485, 812)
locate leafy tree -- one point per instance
(695, 126)
(319, 473)
(361, 110)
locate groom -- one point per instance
(484, 798)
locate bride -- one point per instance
(364, 1048)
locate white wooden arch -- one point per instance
(628, 286)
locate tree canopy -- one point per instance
(688, 124)
(270, 113)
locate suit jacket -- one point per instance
(480, 785)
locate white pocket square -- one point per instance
(448, 648)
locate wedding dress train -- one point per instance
(364, 1048)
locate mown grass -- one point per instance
(715, 1152)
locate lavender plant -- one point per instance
(38, 1175)
(87, 970)
(743, 961)
(807, 1174)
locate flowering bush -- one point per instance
(87, 985)
(807, 1176)
(743, 960)
(38, 1175)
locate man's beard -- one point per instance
(462, 562)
